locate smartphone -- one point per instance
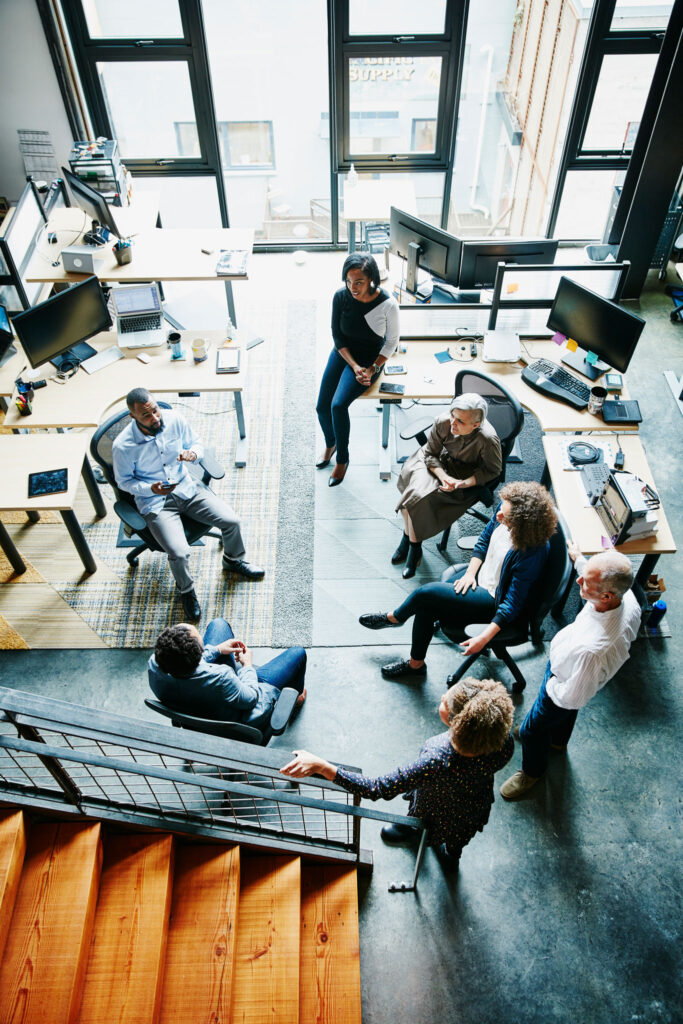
(392, 389)
(394, 369)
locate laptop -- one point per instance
(139, 316)
(501, 347)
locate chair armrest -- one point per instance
(448, 575)
(130, 516)
(283, 710)
(212, 468)
(417, 428)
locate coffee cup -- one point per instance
(175, 340)
(200, 349)
(597, 399)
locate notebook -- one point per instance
(139, 316)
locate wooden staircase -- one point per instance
(152, 929)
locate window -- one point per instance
(246, 143)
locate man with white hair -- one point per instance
(462, 451)
(583, 657)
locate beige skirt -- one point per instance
(431, 510)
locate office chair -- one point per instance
(507, 418)
(101, 445)
(282, 715)
(551, 589)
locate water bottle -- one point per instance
(352, 177)
(657, 614)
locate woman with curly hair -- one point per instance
(450, 785)
(496, 587)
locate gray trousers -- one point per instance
(167, 529)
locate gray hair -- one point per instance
(616, 572)
(477, 406)
(138, 396)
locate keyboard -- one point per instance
(104, 358)
(550, 379)
(595, 476)
(144, 322)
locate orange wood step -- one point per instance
(125, 965)
(12, 851)
(266, 980)
(330, 959)
(42, 971)
(201, 941)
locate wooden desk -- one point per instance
(427, 378)
(583, 521)
(22, 454)
(86, 398)
(372, 200)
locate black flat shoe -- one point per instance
(414, 559)
(377, 620)
(396, 669)
(400, 834)
(334, 481)
(401, 551)
(191, 605)
(323, 461)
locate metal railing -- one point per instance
(59, 756)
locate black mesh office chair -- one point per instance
(283, 712)
(506, 417)
(101, 445)
(550, 591)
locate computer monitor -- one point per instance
(424, 246)
(481, 256)
(6, 336)
(57, 328)
(95, 205)
(596, 325)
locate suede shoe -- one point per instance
(396, 669)
(517, 785)
(401, 551)
(191, 605)
(400, 834)
(244, 569)
(377, 620)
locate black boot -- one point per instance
(414, 559)
(401, 551)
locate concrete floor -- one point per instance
(567, 906)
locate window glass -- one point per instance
(269, 71)
(184, 202)
(130, 19)
(396, 17)
(145, 100)
(386, 96)
(416, 192)
(588, 200)
(619, 99)
(641, 14)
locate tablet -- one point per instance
(52, 481)
(227, 360)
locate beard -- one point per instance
(153, 430)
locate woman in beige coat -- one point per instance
(462, 451)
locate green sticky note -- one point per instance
(591, 358)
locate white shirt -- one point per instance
(587, 653)
(499, 545)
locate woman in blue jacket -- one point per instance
(497, 585)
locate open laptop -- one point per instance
(139, 316)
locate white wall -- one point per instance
(30, 93)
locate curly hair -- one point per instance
(533, 516)
(480, 715)
(178, 651)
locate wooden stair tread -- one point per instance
(201, 940)
(125, 966)
(266, 978)
(330, 961)
(12, 851)
(42, 971)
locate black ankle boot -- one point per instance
(401, 551)
(413, 560)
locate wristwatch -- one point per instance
(374, 369)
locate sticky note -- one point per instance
(443, 357)
(571, 345)
(510, 288)
(558, 338)
(591, 358)
(606, 542)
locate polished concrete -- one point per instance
(567, 906)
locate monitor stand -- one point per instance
(97, 234)
(578, 362)
(73, 356)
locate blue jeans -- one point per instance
(338, 389)
(438, 602)
(286, 669)
(546, 723)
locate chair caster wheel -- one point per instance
(518, 687)
(132, 562)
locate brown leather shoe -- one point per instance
(337, 474)
(300, 700)
(324, 459)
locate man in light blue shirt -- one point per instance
(149, 458)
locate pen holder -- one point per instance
(123, 255)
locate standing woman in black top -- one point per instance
(365, 332)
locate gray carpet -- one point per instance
(293, 600)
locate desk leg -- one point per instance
(32, 515)
(647, 566)
(384, 450)
(80, 543)
(351, 230)
(231, 302)
(241, 449)
(7, 545)
(545, 476)
(93, 489)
